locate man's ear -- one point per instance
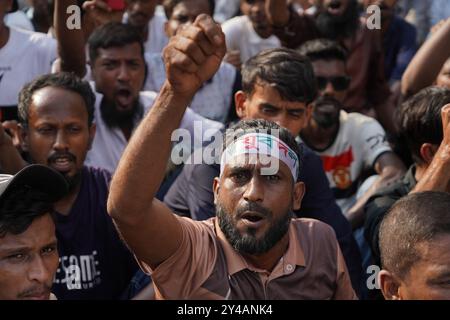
(299, 192)
(92, 131)
(216, 187)
(23, 136)
(309, 109)
(240, 99)
(427, 152)
(389, 285)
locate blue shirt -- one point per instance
(399, 48)
(94, 262)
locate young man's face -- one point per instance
(332, 82)
(429, 277)
(185, 13)
(28, 261)
(119, 74)
(140, 12)
(266, 103)
(58, 134)
(255, 11)
(254, 210)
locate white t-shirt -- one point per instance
(240, 35)
(212, 101)
(358, 144)
(25, 56)
(157, 38)
(18, 20)
(109, 143)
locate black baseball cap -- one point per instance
(38, 177)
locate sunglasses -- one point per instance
(339, 83)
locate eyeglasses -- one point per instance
(339, 83)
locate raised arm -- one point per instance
(150, 229)
(428, 61)
(70, 42)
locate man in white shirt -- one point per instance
(348, 143)
(23, 56)
(249, 34)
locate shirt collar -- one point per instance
(236, 262)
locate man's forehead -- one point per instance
(256, 162)
(129, 50)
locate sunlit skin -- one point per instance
(266, 103)
(242, 182)
(28, 261)
(255, 11)
(428, 278)
(184, 13)
(58, 134)
(119, 74)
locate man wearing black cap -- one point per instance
(24, 55)
(28, 253)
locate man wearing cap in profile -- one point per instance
(28, 253)
(253, 249)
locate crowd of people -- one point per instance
(209, 149)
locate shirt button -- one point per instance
(289, 268)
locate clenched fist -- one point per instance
(194, 55)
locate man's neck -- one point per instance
(268, 261)
(64, 206)
(420, 171)
(317, 137)
(4, 35)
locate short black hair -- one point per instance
(414, 219)
(63, 80)
(169, 5)
(419, 119)
(263, 126)
(113, 34)
(21, 207)
(290, 73)
(323, 49)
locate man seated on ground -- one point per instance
(414, 242)
(279, 86)
(253, 249)
(348, 143)
(56, 114)
(28, 254)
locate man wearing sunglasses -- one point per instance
(348, 143)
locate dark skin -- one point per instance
(58, 125)
(185, 13)
(140, 12)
